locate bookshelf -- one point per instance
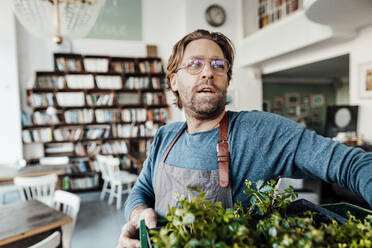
(95, 105)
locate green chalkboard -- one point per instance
(118, 20)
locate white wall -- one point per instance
(361, 53)
(10, 126)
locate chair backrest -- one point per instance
(112, 167)
(69, 204)
(39, 188)
(52, 241)
(102, 160)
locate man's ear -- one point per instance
(173, 82)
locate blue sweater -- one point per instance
(262, 146)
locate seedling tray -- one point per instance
(343, 208)
(337, 211)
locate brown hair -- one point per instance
(178, 51)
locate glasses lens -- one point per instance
(219, 65)
(195, 66)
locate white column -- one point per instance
(10, 119)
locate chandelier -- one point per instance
(58, 19)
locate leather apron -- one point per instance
(171, 179)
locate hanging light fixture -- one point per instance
(58, 19)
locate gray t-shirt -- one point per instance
(262, 146)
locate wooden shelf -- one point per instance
(45, 94)
(103, 107)
(87, 124)
(92, 90)
(99, 139)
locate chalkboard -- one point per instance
(118, 20)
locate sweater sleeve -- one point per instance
(331, 161)
(142, 192)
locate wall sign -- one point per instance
(118, 20)
(365, 80)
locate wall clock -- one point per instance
(215, 15)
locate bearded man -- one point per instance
(216, 150)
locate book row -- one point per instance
(86, 116)
(77, 99)
(90, 81)
(69, 183)
(82, 149)
(270, 11)
(44, 135)
(78, 63)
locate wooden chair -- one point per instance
(39, 188)
(69, 204)
(52, 241)
(115, 178)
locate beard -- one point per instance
(204, 107)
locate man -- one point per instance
(217, 150)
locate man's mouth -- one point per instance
(207, 90)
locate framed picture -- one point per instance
(304, 110)
(266, 105)
(292, 99)
(291, 111)
(305, 100)
(317, 100)
(278, 102)
(365, 84)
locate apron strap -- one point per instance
(223, 154)
(171, 144)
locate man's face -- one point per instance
(203, 95)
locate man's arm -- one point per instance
(142, 193)
(334, 162)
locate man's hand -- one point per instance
(127, 232)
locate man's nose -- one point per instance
(207, 72)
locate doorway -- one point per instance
(303, 93)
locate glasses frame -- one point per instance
(186, 65)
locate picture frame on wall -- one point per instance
(278, 102)
(304, 110)
(305, 100)
(317, 100)
(291, 111)
(292, 99)
(365, 80)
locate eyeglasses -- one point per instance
(195, 65)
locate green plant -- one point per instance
(199, 223)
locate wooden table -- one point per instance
(8, 173)
(21, 221)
